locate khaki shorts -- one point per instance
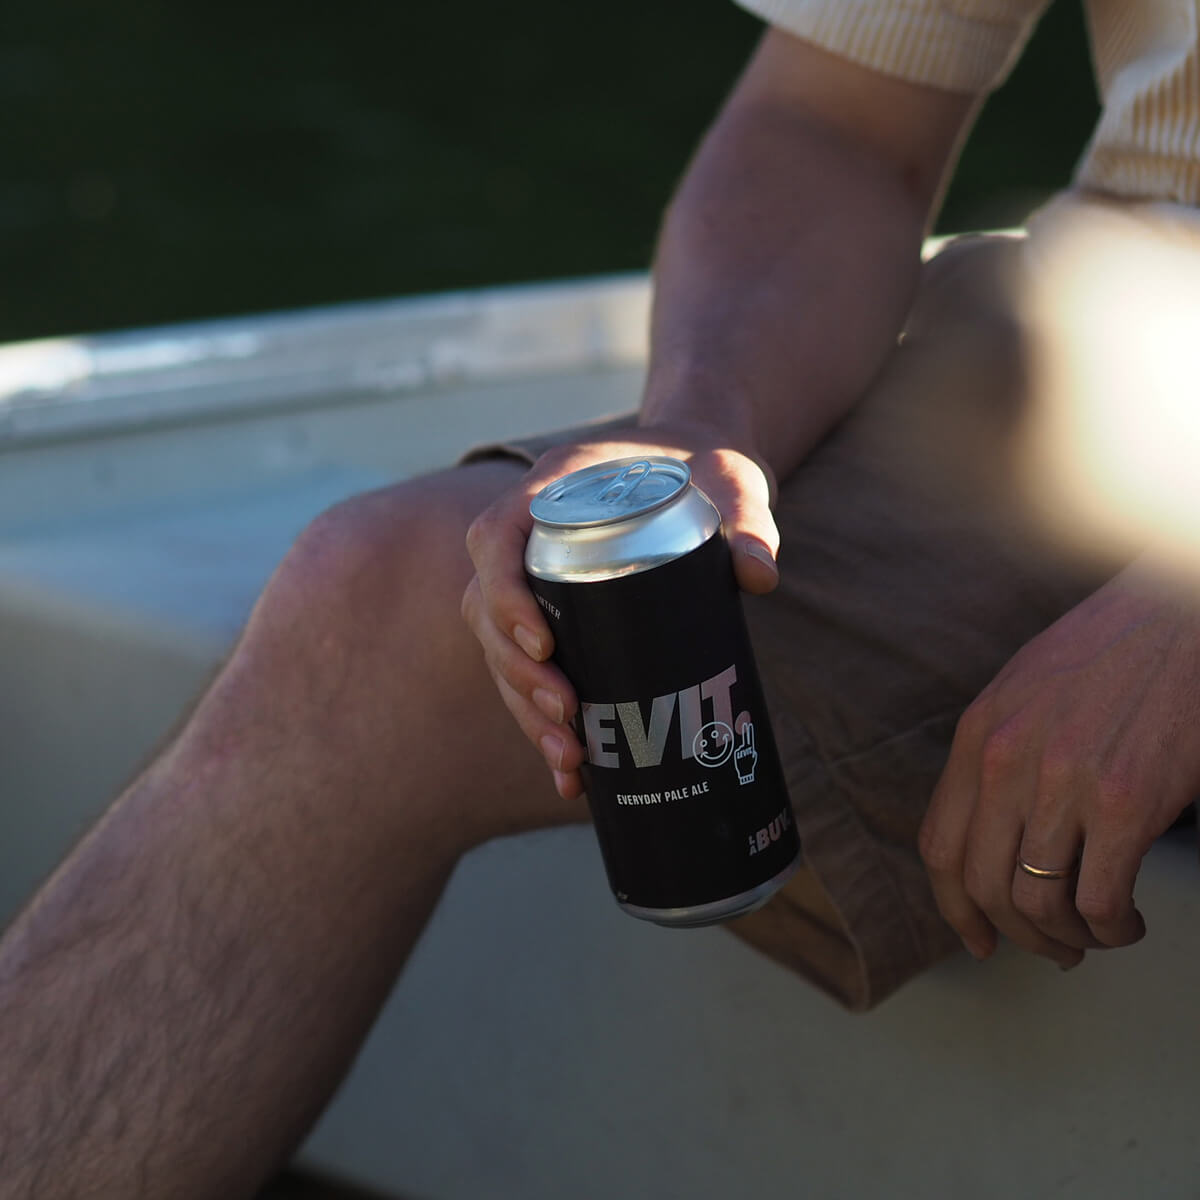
(902, 594)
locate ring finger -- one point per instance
(992, 848)
(556, 743)
(1044, 877)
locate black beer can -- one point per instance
(628, 561)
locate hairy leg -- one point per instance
(180, 999)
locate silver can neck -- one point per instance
(617, 518)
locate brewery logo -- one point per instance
(745, 758)
(713, 744)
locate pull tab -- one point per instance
(624, 484)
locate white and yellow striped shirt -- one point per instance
(1146, 54)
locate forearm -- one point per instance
(779, 286)
(789, 257)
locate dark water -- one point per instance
(168, 161)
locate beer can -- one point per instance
(628, 561)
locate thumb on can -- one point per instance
(753, 562)
(749, 526)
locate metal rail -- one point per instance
(78, 386)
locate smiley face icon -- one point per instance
(713, 744)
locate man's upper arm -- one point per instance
(913, 128)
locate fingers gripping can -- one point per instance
(628, 561)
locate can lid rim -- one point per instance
(620, 472)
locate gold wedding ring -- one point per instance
(1047, 872)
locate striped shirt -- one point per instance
(1146, 55)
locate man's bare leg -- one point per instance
(182, 997)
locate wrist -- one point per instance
(684, 391)
(702, 399)
(715, 436)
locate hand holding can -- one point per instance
(683, 779)
(514, 632)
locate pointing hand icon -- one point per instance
(745, 757)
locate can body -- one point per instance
(682, 774)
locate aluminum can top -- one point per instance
(610, 491)
(617, 518)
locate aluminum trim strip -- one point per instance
(84, 386)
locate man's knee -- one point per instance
(372, 561)
(399, 550)
(358, 645)
(363, 606)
